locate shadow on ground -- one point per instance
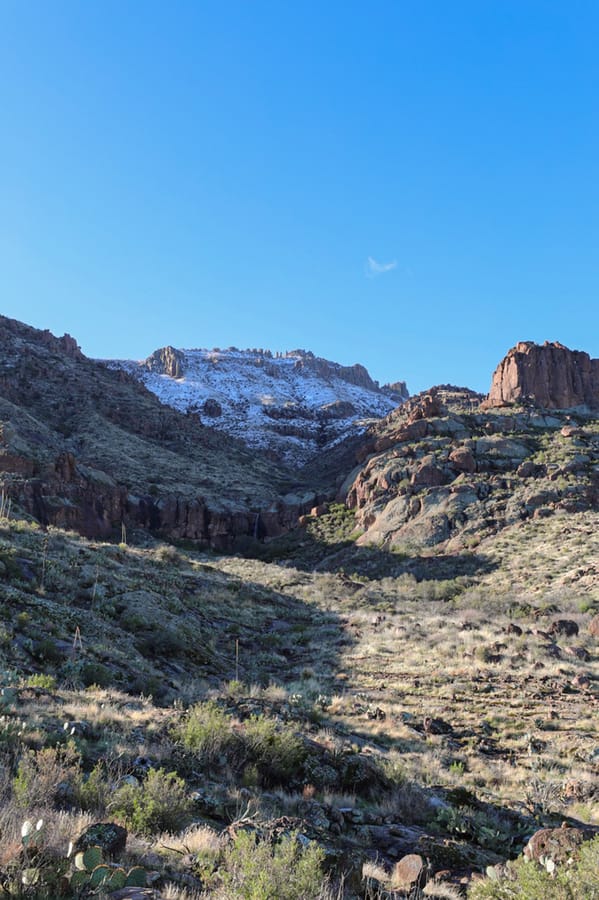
(301, 550)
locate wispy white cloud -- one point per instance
(374, 268)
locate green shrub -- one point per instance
(50, 776)
(40, 680)
(47, 651)
(160, 803)
(206, 731)
(255, 870)
(95, 790)
(97, 674)
(531, 881)
(275, 750)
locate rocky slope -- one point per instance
(413, 716)
(290, 406)
(412, 721)
(550, 376)
(441, 472)
(88, 448)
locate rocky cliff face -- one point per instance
(87, 448)
(289, 406)
(166, 361)
(550, 376)
(441, 472)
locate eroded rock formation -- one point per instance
(548, 375)
(166, 361)
(88, 448)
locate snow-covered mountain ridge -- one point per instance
(290, 404)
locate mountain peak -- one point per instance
(289, 404)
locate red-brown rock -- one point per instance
(557, 844)
(428, 475)
(551, 376)
(461, 459)
(410, 870)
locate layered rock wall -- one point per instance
(550, 376)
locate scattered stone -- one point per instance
(564, 627)
(594, 626)
(410, 871)
(436, 726)
(131, 780)
(581, 681)
(578, 653)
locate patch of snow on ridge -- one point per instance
(290, 405)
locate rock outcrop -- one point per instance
(291, 406)
(437, 472)
(549, 376)
(166, 361)
(88, 448)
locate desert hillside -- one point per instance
(374, 677)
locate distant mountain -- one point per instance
(290, 405)
(89, 448)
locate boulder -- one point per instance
(428, 474)
(461, 459)
(528, 469)
(564, 627)
(212, 408)
(571, 431)
(410, 871)
(557, 844)
(110, 837)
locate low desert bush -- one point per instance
(256, 870)
(275, 750)
(47, 777)
(206, 731)
(529, 880)
(160, 803)
(43, 681)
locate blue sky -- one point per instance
(411, 185)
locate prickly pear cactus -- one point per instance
(93, 876)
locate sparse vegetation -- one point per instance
(263, 725)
